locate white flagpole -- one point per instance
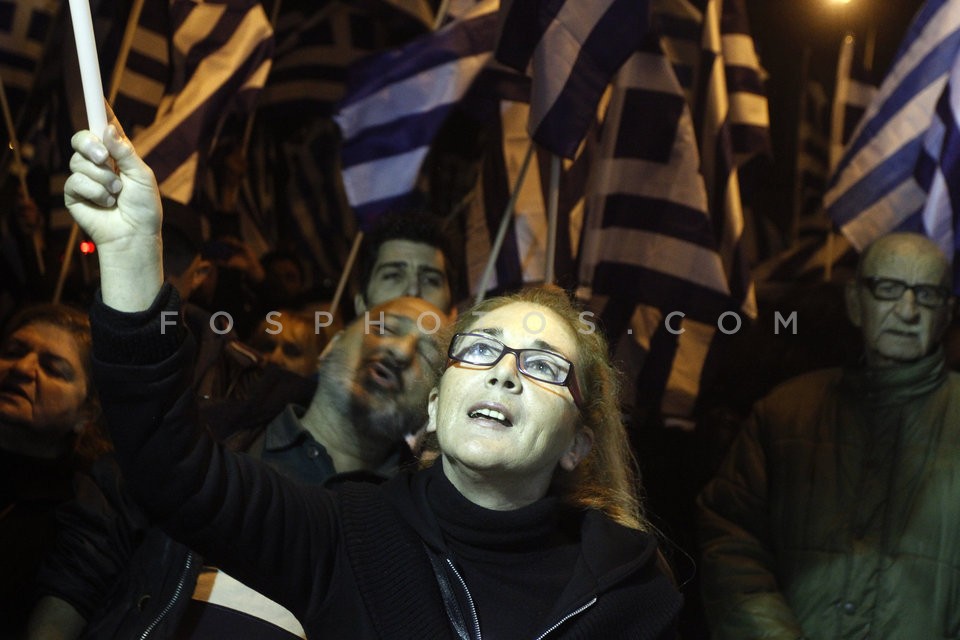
(504, 225)
(552, 206)
(93, 100)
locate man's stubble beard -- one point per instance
(374, 413)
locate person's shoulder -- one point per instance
(793, 405)
(818, 380)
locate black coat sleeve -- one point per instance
(276, 536)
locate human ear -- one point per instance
(432, 410)
(854, 308)
(582, 443)
(359, 304)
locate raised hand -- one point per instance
(119, 208)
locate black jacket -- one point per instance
(352, 564)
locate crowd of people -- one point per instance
(423, 470)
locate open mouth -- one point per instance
(385, 376)
(485, 413)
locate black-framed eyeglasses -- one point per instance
(483, 350)
(928, 295)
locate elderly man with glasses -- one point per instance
(835, 513)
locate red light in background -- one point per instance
(87, 247)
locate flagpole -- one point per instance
(93, 100)
(442, 11)
(21, 171)
(347, 268)
(797, 174)
(133, 20)
(552, 206)
(837, 117)
(504, 225)
(67, 258)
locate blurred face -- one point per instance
(385, 362)
(43, 386)
(285, 276)
(406, 268)
(494, 421)
(295, 348)
(899, 330)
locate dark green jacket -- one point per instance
(836, 513)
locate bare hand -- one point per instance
(119, 209)
(113, 196)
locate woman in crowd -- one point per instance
(48, 412)
(526, 525)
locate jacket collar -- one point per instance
(898, 384)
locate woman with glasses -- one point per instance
(525, 526)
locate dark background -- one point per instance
(783, 29)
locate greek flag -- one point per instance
(812, 157)
(650, 264)
(852, 95)
(396, 103)
(732, 121)
(221, 53)
(25, 26)
(317, 43)
(875, 188)
(938, 172)
(572, 48)
(144, 79)
(522, 258)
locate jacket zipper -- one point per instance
(473, 609)
(565, 618)
(173, 599)
(476, 620)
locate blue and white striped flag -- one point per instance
(852, 95)
(572, 49)
(144, 79)
(317, 43)
(875, 189)
(732, 122)
(221, 54)
(396, 104)
(522, 258)
(810, 178)
(649, 262)
(938, 172)
(25, 26)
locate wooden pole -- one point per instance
(36, 236)
(553, 199)
(442, 11)
(504, 225)
(347, 268)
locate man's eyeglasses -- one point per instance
(546, 366)
(927, 295)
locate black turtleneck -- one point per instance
(515, 563)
